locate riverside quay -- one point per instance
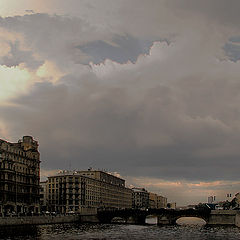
(19, 176)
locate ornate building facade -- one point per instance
(19, 176)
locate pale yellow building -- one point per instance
(153, 200)
(157, 201)
(173, 205)
(161, 202)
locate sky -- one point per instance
(149, 89)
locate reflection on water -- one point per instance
(180, 221)
(151, 220)
(119, 231)
(191, 221)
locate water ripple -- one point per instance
(119, 231)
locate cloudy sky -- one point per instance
(146, 88)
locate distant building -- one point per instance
(140, 198)
(43, 196)
(152, 200)
(173, 205)
(161, 202)
(19, 176)
(77, 190)
(211, 199)
(156, 201)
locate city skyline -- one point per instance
(147, 89)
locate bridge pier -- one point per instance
(139, 219)
(165, 220)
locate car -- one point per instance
(71, 212)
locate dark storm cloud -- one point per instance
(52, 37)
(69, 39)
(232, 48)
(158, 133)
(225, 12)
(16, 56)
(122, 49)
(235, 39)
(171, 113)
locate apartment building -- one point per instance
(77, 190)
(43, 197)
(161, 202)
(140, 198)
(19, 176)
(152, 200)
(157, 201)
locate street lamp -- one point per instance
(15, 170)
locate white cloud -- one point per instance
(14, 81)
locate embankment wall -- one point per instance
(222, 217)
(38, 220)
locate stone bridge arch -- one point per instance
(128, 215)
(191, 221)
(174, 219)
(171, 217)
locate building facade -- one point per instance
(157, 201)
(172, 205)
(43, 196)
(140, 198)
(19, 176)
(161, 202)
(80, 190)
(152, 200)
(211, 199)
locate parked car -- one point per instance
(71, 212)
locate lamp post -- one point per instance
(15, 170)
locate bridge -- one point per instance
(170, 216)
(133, 216)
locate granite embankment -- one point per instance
(217, 217)
(39, 220)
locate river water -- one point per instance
(191, 230)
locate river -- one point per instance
(190, 229)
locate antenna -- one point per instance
(70, 165)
